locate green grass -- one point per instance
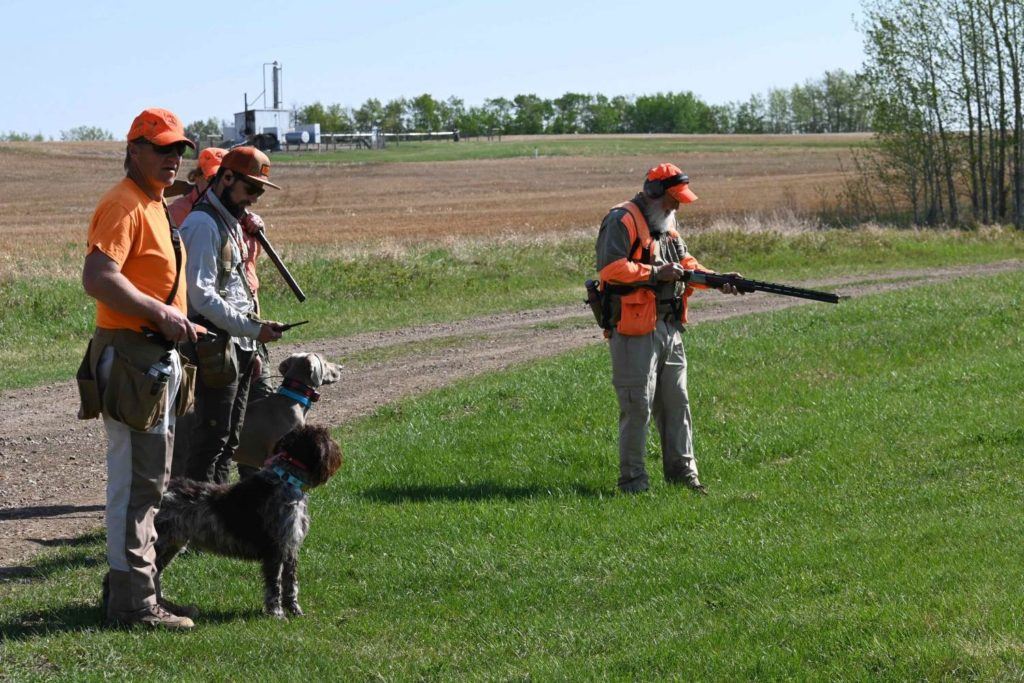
(586, 147)
(45, 321)
(863, 523)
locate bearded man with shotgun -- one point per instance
(221, 298)
(646, 277)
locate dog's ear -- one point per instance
(288, 362)
(330, 457)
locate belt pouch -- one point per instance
(132, 396)
(187, 391)
(90, 404)
(639, 313)
(218, 366)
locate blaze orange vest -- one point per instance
(639, 304)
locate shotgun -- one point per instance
(700, 277)
(281, 268)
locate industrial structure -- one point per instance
(272, 129)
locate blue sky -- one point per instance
(68, 64)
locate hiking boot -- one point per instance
(154, 616)
(691, 482)
(190, 611)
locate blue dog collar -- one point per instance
(288, 477)
(295, 396)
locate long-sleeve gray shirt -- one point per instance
(613, 243)
(229, 308)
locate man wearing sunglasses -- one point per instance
(220, 297)
(133, 268)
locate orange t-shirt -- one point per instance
(132, 230)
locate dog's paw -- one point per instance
(294, 609)
(274, 611)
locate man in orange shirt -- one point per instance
(133, 268)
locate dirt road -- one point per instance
(52, 469)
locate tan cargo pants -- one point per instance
(649, 376)
(138, 467)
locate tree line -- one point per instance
(945, 78)
(76, 134)
(835, 103)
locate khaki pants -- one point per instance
(138, 467)
(649, 376)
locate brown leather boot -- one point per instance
(190, 611)
(154, 616)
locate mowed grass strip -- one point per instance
(866, 483)
(45, 322)
(581, 146)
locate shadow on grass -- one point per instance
(474, 492)
(67, 618)
(38, 511)
(88, 617)
(47, 567)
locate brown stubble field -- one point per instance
(48, 191)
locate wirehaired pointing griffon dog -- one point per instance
(262, 517)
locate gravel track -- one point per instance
(52, 468)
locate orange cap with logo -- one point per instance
(668, 179)
(249, 162)
(210, 160)
(160, 127)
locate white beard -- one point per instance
(662, 222)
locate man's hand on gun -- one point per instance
(728, 287)
(672, 272)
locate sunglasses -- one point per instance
(252, 189)
(175, 148)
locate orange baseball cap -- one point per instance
(160, 127)
(249, 162)
(675, 182)
(210, 160)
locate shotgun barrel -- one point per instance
(281, 268)
(742, 284)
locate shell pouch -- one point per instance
(639, 313)
(132, 396)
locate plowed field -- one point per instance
(49, 190)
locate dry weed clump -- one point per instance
(459, 247)
(783, 221)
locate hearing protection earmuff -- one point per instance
(656, 189)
